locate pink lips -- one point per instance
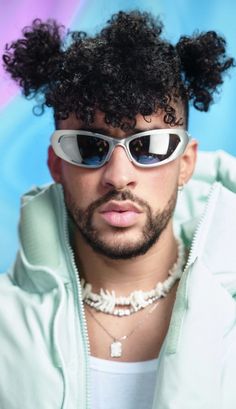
(120, 214)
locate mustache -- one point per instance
(118, 196)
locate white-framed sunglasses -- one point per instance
(145, 149)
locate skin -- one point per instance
(155, 186)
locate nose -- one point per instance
(119, 172)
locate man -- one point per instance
(110, 305)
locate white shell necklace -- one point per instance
(107, 302)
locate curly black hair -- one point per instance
(124, 70)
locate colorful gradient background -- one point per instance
(24, 137)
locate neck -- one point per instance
(125, 276)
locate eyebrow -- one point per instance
(104, 131)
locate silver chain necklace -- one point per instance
(116, 347)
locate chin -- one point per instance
(122, 246)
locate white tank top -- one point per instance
(126, 385)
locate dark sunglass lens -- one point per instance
(154, 148)
(93, 150)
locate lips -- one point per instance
(120, 207)
(120, 214)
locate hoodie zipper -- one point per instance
(172, 338)
(80, 304)
(193, 247)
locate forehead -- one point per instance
(154, 121)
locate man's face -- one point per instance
(120, 209)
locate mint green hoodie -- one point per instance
(44, 341)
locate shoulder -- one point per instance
(211, 167)
(218, 166)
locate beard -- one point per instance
(155, 223)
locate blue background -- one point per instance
(24, 137)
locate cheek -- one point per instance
(163, 181)
(80, 184)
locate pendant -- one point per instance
(116, 349)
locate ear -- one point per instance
(187, 162)
(54, 165)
